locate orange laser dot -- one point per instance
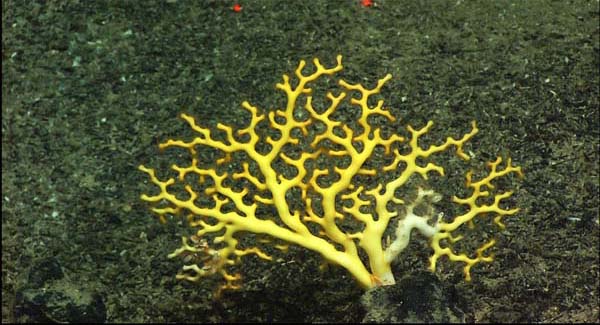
(237, 7)
(366, 3)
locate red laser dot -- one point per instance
(237, 7)
(366, 3)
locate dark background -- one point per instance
(90, 87)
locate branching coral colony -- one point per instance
(303, 175)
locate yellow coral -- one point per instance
(307, 198)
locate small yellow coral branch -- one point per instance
(474, 210)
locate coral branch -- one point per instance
(298, 175)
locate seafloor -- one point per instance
(89, 88)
